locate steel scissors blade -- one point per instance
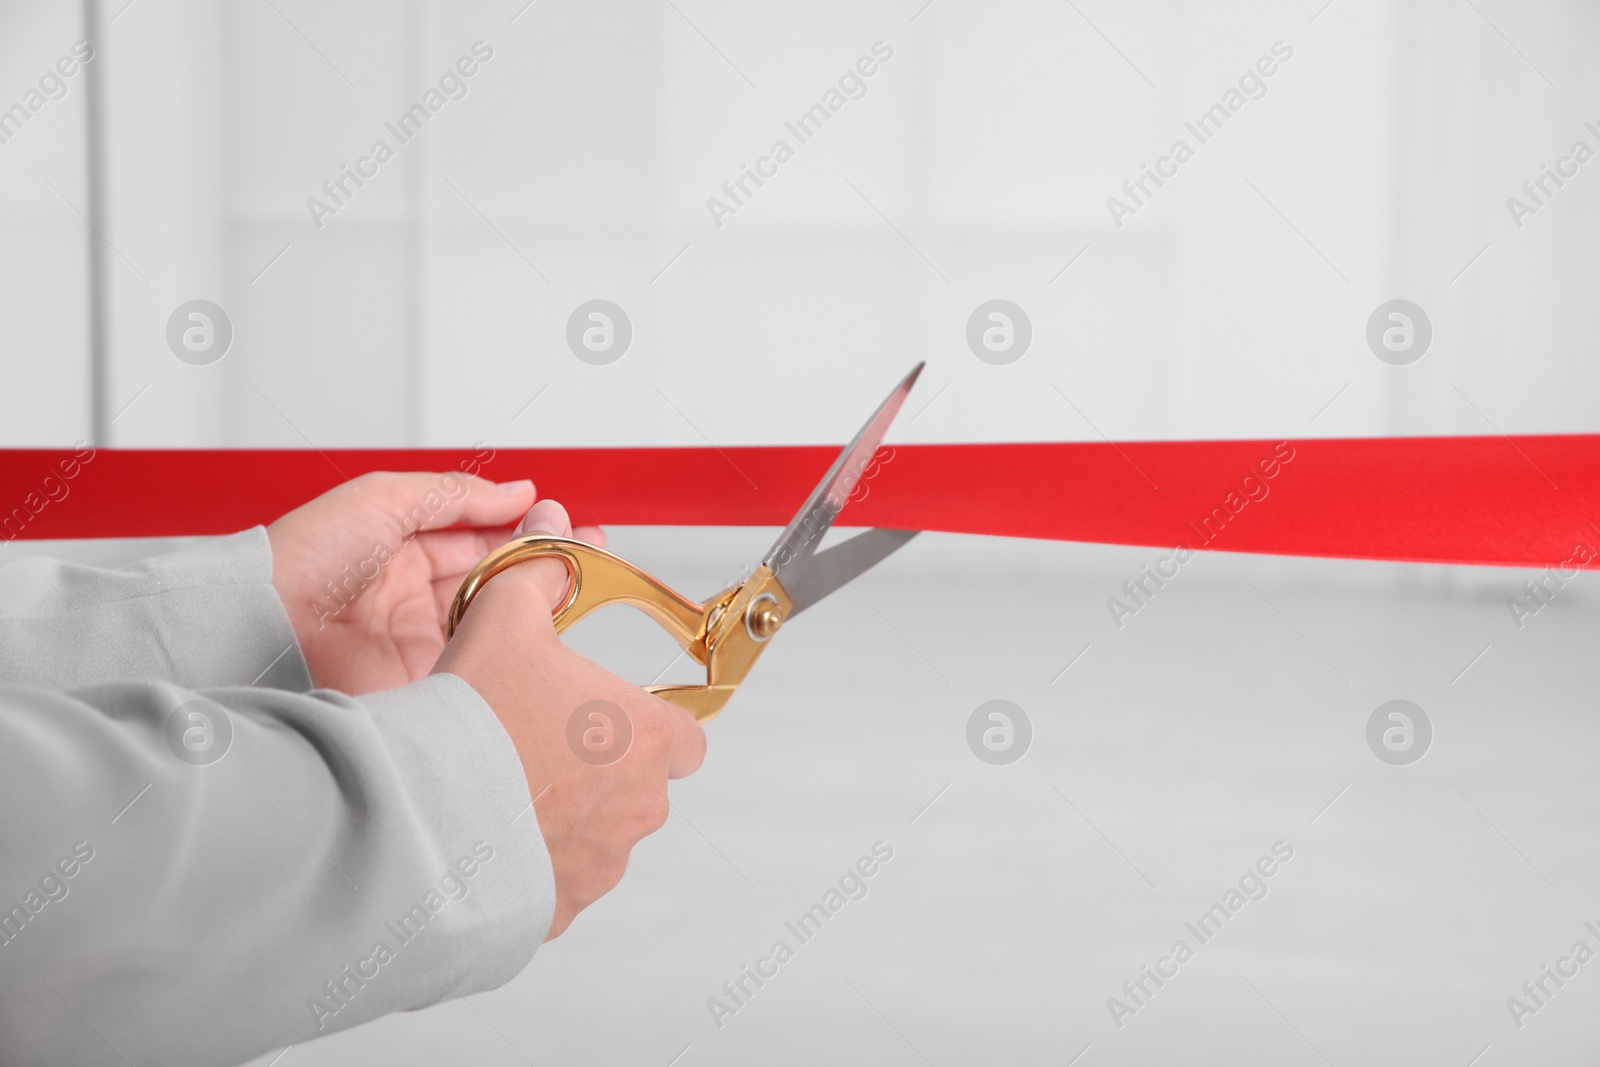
(809, 578)
(730, 630)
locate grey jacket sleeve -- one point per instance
(204, 615)
(203, 875)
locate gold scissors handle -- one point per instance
(725, 634)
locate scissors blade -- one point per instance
(834, 567)
(792, 552)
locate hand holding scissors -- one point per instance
(729, 631)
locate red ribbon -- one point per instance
(1519, 501)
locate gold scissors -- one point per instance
(730, 630)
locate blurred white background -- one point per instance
(432, 309)
(977, 166)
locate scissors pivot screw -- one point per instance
(763, 617)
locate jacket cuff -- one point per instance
(202, 616)
(215, 617)
(460, 769)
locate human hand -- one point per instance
(591, 815)
(367, 571)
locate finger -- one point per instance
(550, 575)
(424, 500)
(592, 534)
(688, 742)
(547, 516)
(485, 503)
(452, 553)
(444, 596)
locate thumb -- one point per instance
(550, 575)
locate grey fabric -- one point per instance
(342, 859)
(202, 616)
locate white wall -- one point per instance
(990, 141)
(44, 242)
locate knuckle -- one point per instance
(590, 865)
(650, 726)
(654, 811)
(697, 739)
(604, 878)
